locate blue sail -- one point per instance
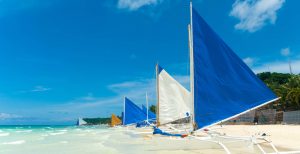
(151, 115)
(224, 86)
(132, 113)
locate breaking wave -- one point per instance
(14, 142)
(4, 134)
(58, 133)
(24, 131)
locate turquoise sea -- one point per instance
(102, 140)
(53, 139)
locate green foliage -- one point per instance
(286, 86)
(97, 121)
(153, 108)
(274, 78)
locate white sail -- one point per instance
(81, 122)
(174, 99)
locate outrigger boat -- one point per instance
(115, 121)
(132, 114)
(135, 119)
(222, 87)
(173, 104)
(81, 122)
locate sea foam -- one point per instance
(4, 134)
(14, 142)
(24, 131)
(58, 133)
(63, 130)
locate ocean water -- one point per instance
(101, 140)
(53, 139)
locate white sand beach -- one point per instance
(282, 136)
(94, 140)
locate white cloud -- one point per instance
(129, 84)
(280, 66)
(89, 97)
(137, 89)
(285, 52)
(134, 90)
(91, 106)
(133, 5)
(254, 14)
(40, 89)
(249, 61)
(4, 116)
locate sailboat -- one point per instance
(134, 118)
(132, 114)
(173, 100)
(222, 85)
(81, 122)
(150, 115)
(115, 121)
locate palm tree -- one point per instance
(294, 97)
(293, 92)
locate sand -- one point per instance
(282, 136)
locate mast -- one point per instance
(290, 67)
(124, 111)
(190, 29)
(157, 95)
(147, 107)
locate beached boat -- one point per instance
(81, 122)
(222, 86)
(132, 114)
(115, 121)
(150, 116)
(173, 102)
(134, 118)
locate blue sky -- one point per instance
(63, 59)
